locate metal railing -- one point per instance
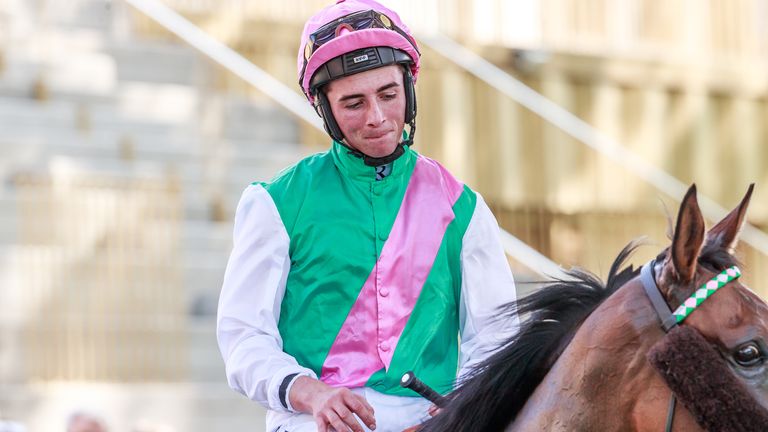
(488, 73)
(661, 30)
(296, 104)
(582, 131)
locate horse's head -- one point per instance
(733, 321)
(578, 361)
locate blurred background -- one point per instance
(128, 130)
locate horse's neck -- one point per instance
(595, 383)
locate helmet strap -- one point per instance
(323, 109)
(374, 162)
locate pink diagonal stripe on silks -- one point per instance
(353, 357)
(391, 290)
(408, 256)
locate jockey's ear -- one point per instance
(726, 233)
(688, 238)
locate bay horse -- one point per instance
(594, 357)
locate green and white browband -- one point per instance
(705, 291)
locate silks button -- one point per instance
(384, 346)
(384, 292)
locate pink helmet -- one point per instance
(348, 26)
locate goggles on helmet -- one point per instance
(355, 21)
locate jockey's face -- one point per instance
(370, 109)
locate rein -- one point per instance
(669, 319)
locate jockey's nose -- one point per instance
(375, 115)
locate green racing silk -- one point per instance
(375, 278)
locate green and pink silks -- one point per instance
(375, 277)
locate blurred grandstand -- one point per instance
(123, 152)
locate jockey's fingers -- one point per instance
(336, 422)
(348, 418)
(362, 408)
(322, 425)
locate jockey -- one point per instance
(362, 262)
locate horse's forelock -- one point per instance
(716, 258)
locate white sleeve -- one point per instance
(486, 284)
(249, 305)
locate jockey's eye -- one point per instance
(748, 354)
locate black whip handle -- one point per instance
(410, 381)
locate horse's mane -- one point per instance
(494, 391)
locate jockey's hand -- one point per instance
(334, 409)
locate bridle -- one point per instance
(670, 319)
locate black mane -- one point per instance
(493, 393)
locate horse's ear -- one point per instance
(726, 233)
(688, 237)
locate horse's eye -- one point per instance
(748, 354)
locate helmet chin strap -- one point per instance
(378, 161)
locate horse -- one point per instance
(591, 356)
